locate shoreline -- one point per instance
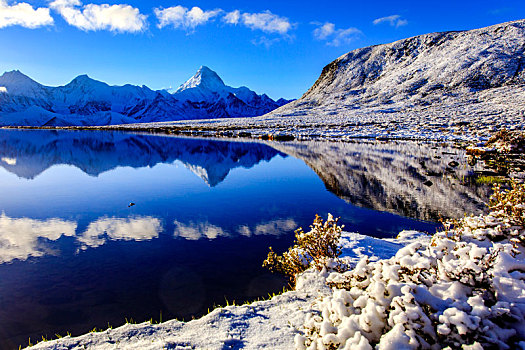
(271, 323)
(234, 134)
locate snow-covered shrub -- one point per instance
(318, 247)
(463, 290)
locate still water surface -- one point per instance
(75, 255)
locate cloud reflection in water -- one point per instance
(21, 238)
(200, 230)
(120, 229)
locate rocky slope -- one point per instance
(85, 101)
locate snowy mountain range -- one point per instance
(85, 101)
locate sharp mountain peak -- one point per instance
(204, 78)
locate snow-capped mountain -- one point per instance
(208, 94)
(421, 72)
(85, 101)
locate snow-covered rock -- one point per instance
(85, 101)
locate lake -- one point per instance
(97, 228)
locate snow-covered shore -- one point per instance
(451, 119)
(270, 324)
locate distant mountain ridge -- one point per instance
(85, 101)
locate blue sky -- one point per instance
(276, 47)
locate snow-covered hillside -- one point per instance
(421, 70)
(85, 101)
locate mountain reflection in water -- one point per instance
(419, 180)
(28, 153)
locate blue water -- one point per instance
(100, 227)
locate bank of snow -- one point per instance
(465, 289)
(270, 324)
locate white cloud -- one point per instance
(333, 36)
(394, 21)
(3, 89)
(181, 17)
(120, 229)
(264, 41)
(232, 17)
(324, 31)
(23, 14)
(116, 18)
(345, 36)
(267, 22)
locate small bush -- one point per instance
(503, 152)
(315, 247)
(509, 204)
(489, 180)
